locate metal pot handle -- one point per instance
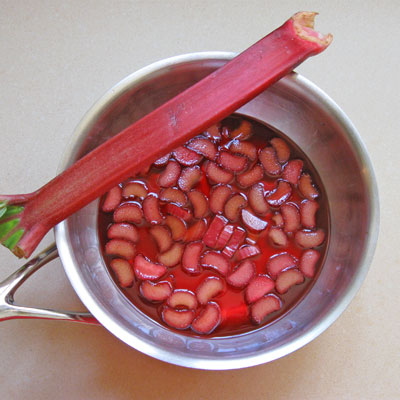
(9, 310)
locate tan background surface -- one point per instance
(57, 58)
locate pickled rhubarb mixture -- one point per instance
(223, 235)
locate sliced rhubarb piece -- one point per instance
(280, 194)
(123, 271)
(292, 171)
(258, 287)
(291, 217)
(280, 262)
(216, 261)
(278, 237)
(191, 257)
(247, 251)
(235, 241)
(135, 189)
(128, 212)
(252, 222)
(196, 231)
(263, 307)
(162, 237)
(189, 177)
(308, 209)
(232, 162)
(214, 230)
(224, 236)
(120, 248)
(270, 162)
(307, 238)
(257, 200)
(242, 274)
(173, 256)
(123, 231)
(287, 279)
(308, 262)
(234, 205)
(151, 210)
(147, 270)
(186, 157)
(155, 292)
(178, 319)
(250, 177)
(211, 286)
(277, 220)
(112, 200)
(243, 131)
(170, 175)
(306, 187)
(173, 195)
(179, 212)
(182, 299)
(199, 202)
(213, 132)
(208, 320)
(162, 161)
(281, 148)
(203, 146)
(215, 174)
(246, 149)
(177, 227)
(218, 197)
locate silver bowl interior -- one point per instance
(311, 119)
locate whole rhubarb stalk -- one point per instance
(25, 219)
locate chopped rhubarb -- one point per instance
(191, 257)
(121, 248)
(208, 320)
(177, 227)
(189, 177)
(203, 146)
(287, 279)
(214, 230)
(211, 286)
(246, 149)
(281, 148)
(277, 220)
(113, 199)
(213, 132)
(243, 131)
(216, 261)
(257, 200)
(123, 271)
(280, 262)
(182, 299)
(224, 236)
(147, 270)
(308, 209)
(278, 196)
(123, 231)
(232, 162)
(128, 212)
(179, 212)
(263, 307)
(233, 206)
(199, 202)
(173, 256)
(215, 174)
(173, 195)
(307, 238)
(306, 187)
(162, 237)
(270, 162)
(155, 292)
(162, 161)
(258, 287)
(292, 171)
(196, 231)
(218, 197)
(170, 175)
(278, 237)
(178, 319)
(291, 217)
(151, 210)
(250, 177)
(252, 222)
(242, 274)
(308, 262)
(247, 251)
(135, 189)
(186, 157)
(235, 241)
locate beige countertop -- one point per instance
(58, 58)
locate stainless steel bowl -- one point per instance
(311, 119)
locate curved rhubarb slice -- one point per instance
(213, 132)
(252, 222)
(215, 174)
(196, 231)
(182, 299)
(218, 197)
(242, 274)
(234, 205)
(278, 237)
(151, 210)
(247, 251)
(155, 292)
(191, 257)
(287, 279)
(123, 231)
(306, 187)
(280, 262)
(214, 230)
(291, 217)
(173, 256)
(250, 177)
(237, 238)
(258, 287)
(292, 171)
(281, 193)
(179, 212)
(199, 202)
(277, 220)
(203, 146)
(170, 175)
(232, 162)
(173, 195)
(120, 248)
(246, 149)
(270, 162)
(178, 319)
(135, 189)
(186, 157)
(263, 307)
(208, 320)
(189, 177)
(281, 148)
(243, 131)
(162, 237)
(307, 238)
(123, 271)
(177, 227)
(112, 200)
(257, 200)
(128, 212)
(211, 287)
(216, 261)
(147, 270)
(308, 262)
(308, 209)
(162, 161)
(224, 236)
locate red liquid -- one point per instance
(234, 309)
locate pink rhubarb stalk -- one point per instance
(25, 219)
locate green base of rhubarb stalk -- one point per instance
(10, 233)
